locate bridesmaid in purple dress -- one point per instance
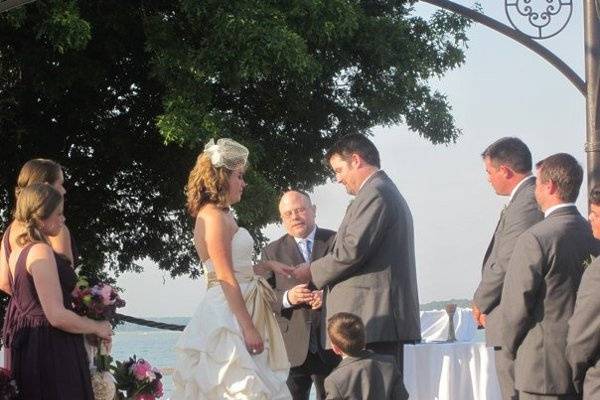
(37, 170)
(43, 333)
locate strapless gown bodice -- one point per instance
(242, 250)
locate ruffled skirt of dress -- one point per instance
(212, 360)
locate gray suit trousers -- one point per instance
(505, 369)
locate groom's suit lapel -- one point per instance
(349, 215)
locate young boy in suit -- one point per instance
(361, 374)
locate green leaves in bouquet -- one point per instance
(124, 379)
(103, 362)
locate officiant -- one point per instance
(298, 307)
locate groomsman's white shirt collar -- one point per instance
(311, 236)
(556, 207)
(512, 194)
(367, 180)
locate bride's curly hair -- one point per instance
(207, 184)
(35, 203)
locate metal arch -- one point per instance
(539, 19)
(7, 5)
(517, 36)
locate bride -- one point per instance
(232, 347)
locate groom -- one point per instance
(298, 315)
(371, 270)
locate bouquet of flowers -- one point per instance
(99, 302)
(8, 386)
(138, 379)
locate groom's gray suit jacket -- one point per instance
(371, 270)
(539, 296)
(519, 215)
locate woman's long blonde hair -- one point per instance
(35, 203)
(207, 184)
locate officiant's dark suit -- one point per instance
(541, 283)
(508, 166)
(371, 269)
(299, 323)
(583, 339)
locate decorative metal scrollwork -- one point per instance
(539, 19)
(7, 5)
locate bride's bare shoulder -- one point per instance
(210, 216)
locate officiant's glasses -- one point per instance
(290, 213)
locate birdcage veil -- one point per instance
(226, 153)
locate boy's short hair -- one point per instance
(347, 332)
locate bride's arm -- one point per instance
(218, 234)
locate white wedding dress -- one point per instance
(212, 359)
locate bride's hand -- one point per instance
(280, 268)
(253, 341)
(262, 269)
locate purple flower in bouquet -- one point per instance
(158, 388)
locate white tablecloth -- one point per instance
(450, 371)
(434, 325)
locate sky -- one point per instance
(503, 89)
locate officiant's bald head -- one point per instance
(297, 213)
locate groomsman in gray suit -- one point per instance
(371, 270)
(583, 339)
(508, 166)
(541, 283)
(298, 305)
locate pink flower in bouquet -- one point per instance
(144, 396)
(106, 292)
(142, 370)
(138, 379)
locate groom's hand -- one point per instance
(477, 315)
(302, 273)
(317, 300)
(299, 294)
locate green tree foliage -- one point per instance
(125, 93)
